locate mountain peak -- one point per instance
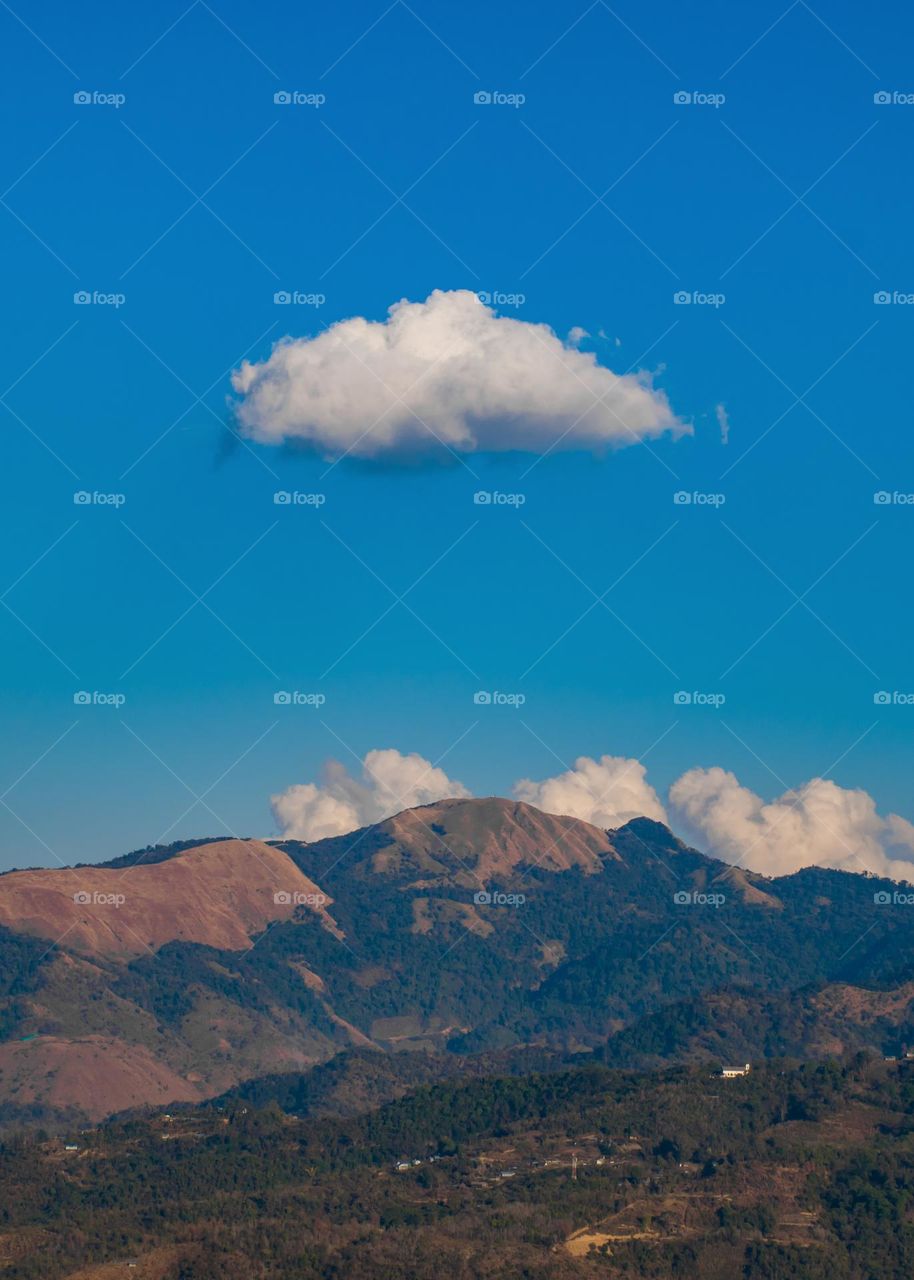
(485, 838)
(651, 832)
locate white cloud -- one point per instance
(389, 782)
(446, 371)
(607, 792)
(818, 824)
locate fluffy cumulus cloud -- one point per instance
(341, 803)
(818, 824)
(607, 792)
(444, 373)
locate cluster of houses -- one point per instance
(403, 1165)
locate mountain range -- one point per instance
(443, 941)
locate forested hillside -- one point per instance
(795, 1172)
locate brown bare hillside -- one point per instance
(478, 840)
(219, 894)
(97, 1074)
(842, 1000)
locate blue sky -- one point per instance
(198, 198)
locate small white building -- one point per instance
(729, 1073)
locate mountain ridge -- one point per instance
(459, 930)
(202, 894)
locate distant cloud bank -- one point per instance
(607, 792)
(389, 782)
(818, 824)
(444, 374)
